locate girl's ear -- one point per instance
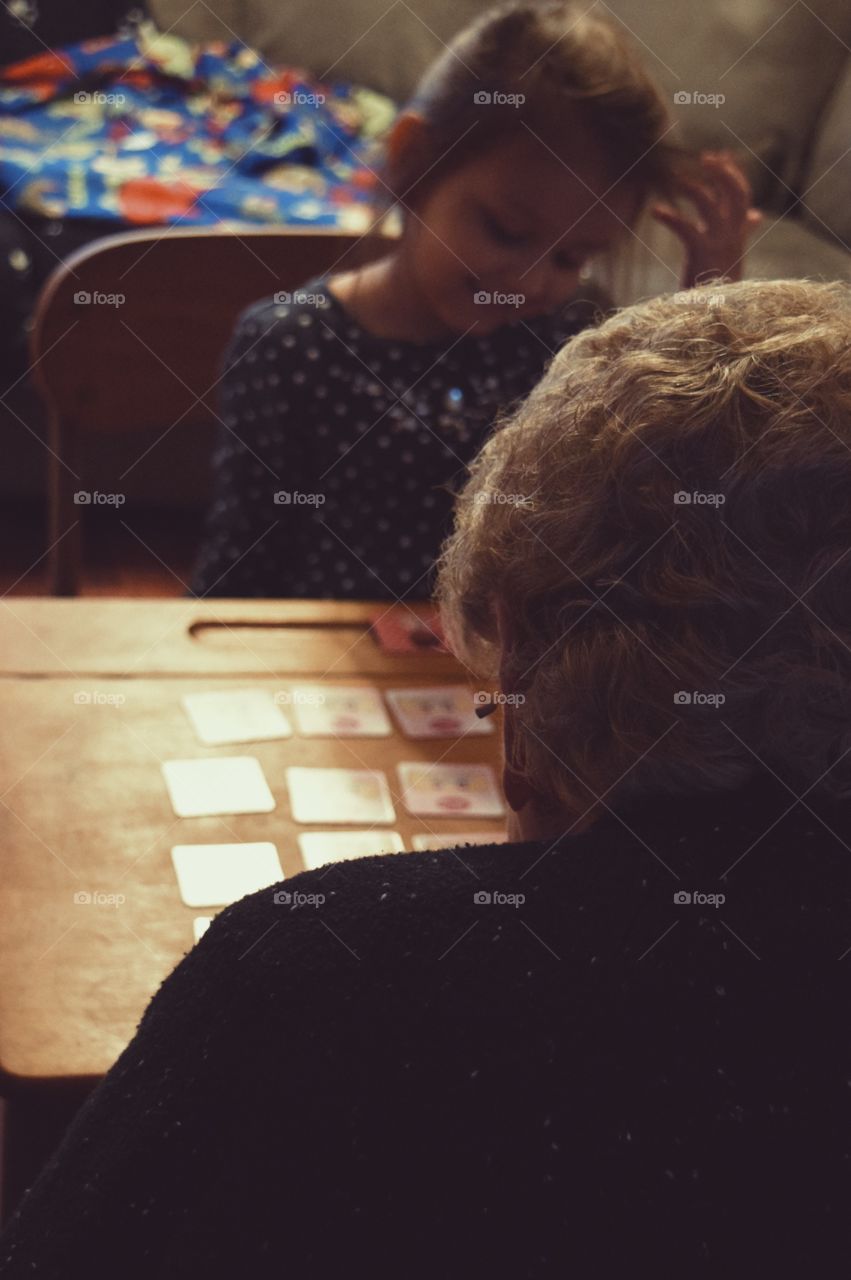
(406, 143)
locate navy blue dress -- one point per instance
(340, 452)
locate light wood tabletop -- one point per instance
(92, 692)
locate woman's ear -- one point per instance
(517, 790)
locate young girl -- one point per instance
(352, 412)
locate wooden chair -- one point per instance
(153, 361)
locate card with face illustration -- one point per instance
(437, 711)
(337, 711)
(448, 790)
(339, 795)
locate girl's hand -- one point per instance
(715, 244)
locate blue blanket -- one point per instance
(148, 129)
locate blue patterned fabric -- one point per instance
(145, 128)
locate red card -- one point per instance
(401, 631)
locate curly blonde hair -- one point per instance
(666, 522)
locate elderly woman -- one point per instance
(635, 1060)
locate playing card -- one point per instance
(402, 631)
(320, 847)
(236, 715)
(436, 790)
(211, 875)
(227, 784)
(200, 925)
(339, 795)
(423, 842)
(439, 711)
(332, 711)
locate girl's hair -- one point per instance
(665, 522)
(547, 66)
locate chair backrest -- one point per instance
(129, 333)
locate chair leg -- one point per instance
(64, 527)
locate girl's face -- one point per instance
(506, 235)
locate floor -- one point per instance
(152, 558)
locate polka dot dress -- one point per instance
(339, 452)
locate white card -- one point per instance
(321, 847)
(227, 784)
(200, 925)
(213, 875)
(438, 711)
(339, 795)
(441, 790)
(334, 711)
(236, 715)
(423, 842)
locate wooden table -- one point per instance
(91, 706)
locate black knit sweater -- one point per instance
(404, 1081)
